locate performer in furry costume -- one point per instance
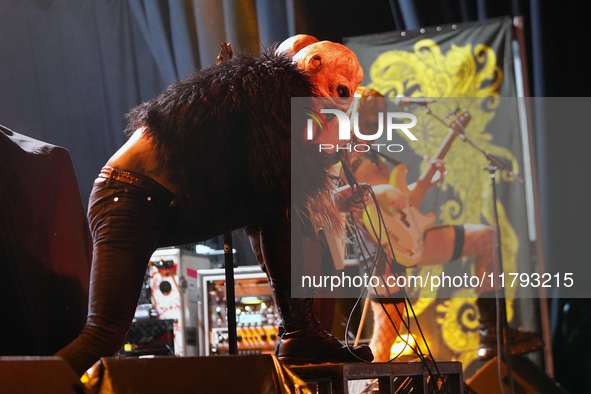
(209, 155)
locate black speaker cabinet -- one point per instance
(527, 378)
(24, 375)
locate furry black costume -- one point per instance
(223, 135)
(229, 126)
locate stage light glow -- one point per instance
(400, 346)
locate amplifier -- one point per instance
(256, 314)
(153, 337)
(167, 316)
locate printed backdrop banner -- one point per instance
(469, 65)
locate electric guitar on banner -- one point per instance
(406, 228)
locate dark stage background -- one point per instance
(71, 69)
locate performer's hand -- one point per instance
(351, 199)
(390, 198)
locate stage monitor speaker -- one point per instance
(38, 375)
(527, 378)
(204, 375)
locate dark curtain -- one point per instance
(71, 69)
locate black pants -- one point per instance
(127, 224)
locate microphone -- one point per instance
(403, 100)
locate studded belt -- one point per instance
(139, 180)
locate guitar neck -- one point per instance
(424, 182)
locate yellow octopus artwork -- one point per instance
(470, 75)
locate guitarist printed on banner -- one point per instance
(415, 237)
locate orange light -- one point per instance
(402, 345)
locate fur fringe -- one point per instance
(228, 127)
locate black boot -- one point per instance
(301, 338)
(519, 341)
